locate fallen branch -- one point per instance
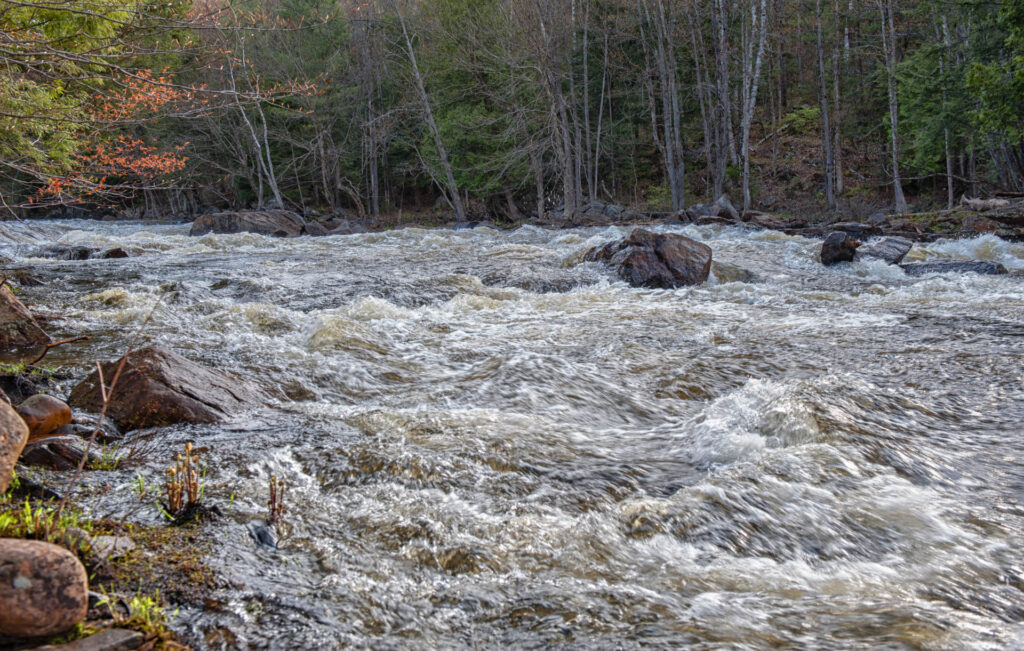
(54, 345)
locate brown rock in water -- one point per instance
(158, 387)
(657, 260)
(13, 436)
(315, 229)
(18, 329)
(275, 223)
(43, 414)
(838, 247)
(43, 589)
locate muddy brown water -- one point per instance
(488, 443)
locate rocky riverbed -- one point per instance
(491, 437)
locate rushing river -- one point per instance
(488, 443)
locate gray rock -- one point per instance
(315, 229)
(114, 639)
(981, 267)
(725, 208)
(890, 249)
(111, 546)
(727, 273)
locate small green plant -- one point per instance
(108, 459)
(141, 488)
(43, 522)
(16, 368)
(145, 614)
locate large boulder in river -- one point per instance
(158, 387)
(657, 260)
(890, 249)
(18, 329)
(13, 436)
(275, 223)
(981, 267)
(44, 589)
(838, 247)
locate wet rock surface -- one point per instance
(890, 249)
(981, 267)
(18, 328)
(656, 260)
(838, 247)
(43, 414)
(159, 387)
(274, 223)
(56, 453)
(115, 639)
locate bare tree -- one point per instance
(756, 31)
(452, 189)
(887, 13)
(826, 127)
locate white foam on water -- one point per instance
(984, 247)
(744, 423)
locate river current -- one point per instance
(487, 442)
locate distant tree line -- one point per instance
(508, 107)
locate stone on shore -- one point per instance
(13, 437)
(44, 589)
(159, 387)
(43, 414)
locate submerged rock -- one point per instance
(275, 223)
(666, 260)
(727, 273)
(44, 589)
(13, 436)
(890, 249)
(18, 328)
(43, 414)
(981, 267)
(158, 387)
(66, 252)
(838, 247)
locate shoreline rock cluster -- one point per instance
(44, 587)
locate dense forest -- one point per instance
(508, 108)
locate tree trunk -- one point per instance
(826, 128)
(452, 190)
(889, 48)
(751, 77)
